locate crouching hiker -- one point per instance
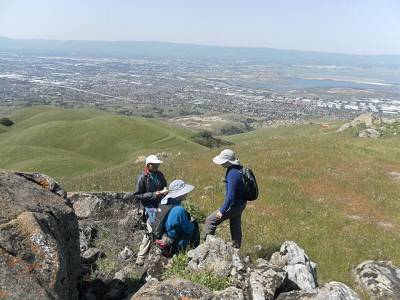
(173, 229)
(235, 198)
(150, 189)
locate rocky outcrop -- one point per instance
(369, 133)
(330, 291)
(300, 269)
(172, 289)
(39, 239)
(265, 280)
(217, 257)
(380, 279)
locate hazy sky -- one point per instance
(348, 26)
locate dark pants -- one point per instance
(234, 214)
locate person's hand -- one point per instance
(162, 193)
(219, 215)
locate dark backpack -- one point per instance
(250, 184)
(158, 225)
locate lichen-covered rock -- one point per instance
(231, 293)
(369, 133)
(265, 280)
(330, 291)
(156, 264)
(87, 205)
(87, 235)
(172, 289)
(216, 256)
(300, 269)
(46, 182)
(39, 241)
(380, 279)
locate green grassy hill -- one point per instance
(331, 193)
(66, 143)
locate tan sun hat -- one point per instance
(226, 155)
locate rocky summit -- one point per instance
(58, 245)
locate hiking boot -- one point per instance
(139, 261)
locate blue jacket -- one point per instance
(178, 226)
(234, 193)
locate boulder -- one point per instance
(369, 133)
(131, 223)
(330, 291)
(87, 235)
(39, 241)
(172, 289)
(156, 264)
(380, 279)
(125, 254)
(91, 255)
(217, 257)
(87, 205)
(300, 269)
(46, 182)
(231, 293)
(265, 280)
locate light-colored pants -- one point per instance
(234, 214)
(144, 247)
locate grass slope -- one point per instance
(65, 143)
(331, 193)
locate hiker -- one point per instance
(150, 189)
(173, 229)
(235, 201)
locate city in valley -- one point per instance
(193, 92)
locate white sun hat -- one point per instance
(226, 155)
(152, 159)
(176, 189)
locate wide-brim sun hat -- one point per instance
(226, 155)
(152, 159)
(176, 189)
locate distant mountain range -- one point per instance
(185, 51)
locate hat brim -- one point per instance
(217, 160)
(154, 162)
(183, 191)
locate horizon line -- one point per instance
(193, 44)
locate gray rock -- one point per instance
(265, 280)
(91, 255)
(87, 205)
(369, 133)
(231, 293)
(156, 264)
(344, 127)
(39, 241)
(87, 235)
(300, 269)
(46, 182)
(125, 254)
(131, 223)
(330, 291)
(380, 279)
(172, 289)
(216, 256)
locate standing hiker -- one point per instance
(150, 189)
(235, 201)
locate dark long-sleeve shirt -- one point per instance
(234, 186)
(146, 186)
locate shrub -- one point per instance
(206, 138)
(6, 122)
(195, 212)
